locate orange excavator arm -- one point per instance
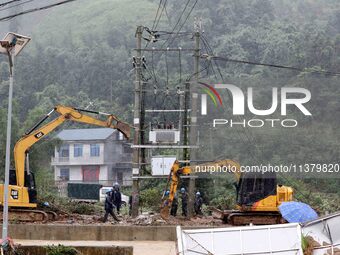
(65, 114)
(229, 165)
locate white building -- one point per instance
(98, 155)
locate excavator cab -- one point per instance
(31, 187)
(29, 184)
(254, 187)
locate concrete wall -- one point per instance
(85, 250)
(76, 173)
(103, 173)
(90, 232)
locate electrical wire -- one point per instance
(159, 6)
(198, 72)
(153, 70)
(160, 16)
(34, 10)
(276, 66)
(15, 5)
(178, 21)
(167, 15)
(176, 35)
(9, 2)
(156, 22)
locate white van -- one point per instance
(104, 190)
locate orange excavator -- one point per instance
(22, 189)
(257, 194)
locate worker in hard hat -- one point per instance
(174, 206)
(117, 196)
(198, 203)
(109, 206)
(165, 198)
(184, 198)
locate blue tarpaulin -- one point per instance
(297, 212)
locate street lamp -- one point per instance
(11, 45)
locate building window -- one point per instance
(65, 174)
(94, 150)
(64, 151)
(78, 150)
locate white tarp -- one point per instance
(280, 239)
(326, 232)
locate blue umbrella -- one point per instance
(297, 212)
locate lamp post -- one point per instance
(11, 45)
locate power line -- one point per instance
(34, 10)
(12, 6)
(154, 22)
(178, 21)
(192, 8)
(274, 65)
(160, 16)
(9, 2)
(167, 15)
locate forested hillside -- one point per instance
(82, 53)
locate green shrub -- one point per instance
(224, 200)
(82, 208)
(61, 250)
(151, 199)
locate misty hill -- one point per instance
(81, 53)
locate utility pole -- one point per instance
(180, 120)
(136, 125)
(142, 127)
(186, 123)
(193, 119)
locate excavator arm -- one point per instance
(176, 171)
(65, 114)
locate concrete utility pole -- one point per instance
(136, 125)
(186, 123)
(193, 121)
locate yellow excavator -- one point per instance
(22, 189)
(257, 194)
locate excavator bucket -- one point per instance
(123, 128)
(165, 212)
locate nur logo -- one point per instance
(213, 94)
(301, 96)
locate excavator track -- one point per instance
(52, 216)
(27, 215)
(238, 218)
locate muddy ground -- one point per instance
(141, 220)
